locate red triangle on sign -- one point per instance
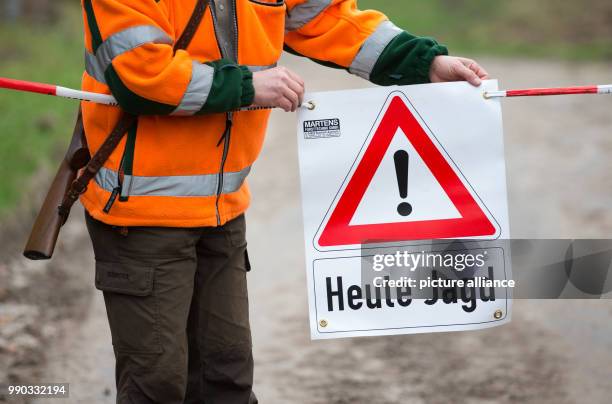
(472, 223)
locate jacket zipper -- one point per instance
(235, 31)
(227, 134)
(230, 116)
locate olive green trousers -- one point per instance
(177, 306)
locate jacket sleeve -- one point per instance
(129, 47)
(336, 33)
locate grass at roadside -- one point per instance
(33, 127)
(519, 28)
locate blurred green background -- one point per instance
(567, 29)
(41, 40)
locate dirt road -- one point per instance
(553, 352)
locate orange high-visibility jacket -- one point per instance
(185, 162)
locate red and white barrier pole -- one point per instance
(540, 92)
(106, 99)
(57, 91)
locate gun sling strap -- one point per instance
(126, 120)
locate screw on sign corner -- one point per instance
(498, 314)
(323, 323)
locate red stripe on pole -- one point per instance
(534, 92)
(27, 86)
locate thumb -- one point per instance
(468, 75)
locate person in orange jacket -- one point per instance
(166, 212)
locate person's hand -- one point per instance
(278, 87)
(450, 68)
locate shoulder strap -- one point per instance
(192, 26)
(79, 186)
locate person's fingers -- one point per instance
(296, 77)
(480, 72)
(475, 67)
(296, 87)
(289, 88)
(468, 75)
(300, 87)
(285, 104)
(293, 98)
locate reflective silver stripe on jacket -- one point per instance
(93, 69)
(302, 14)
(198, 90)
(119, 43)
(372, 48)
(179, 186)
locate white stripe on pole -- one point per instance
(86, 96)
(604, 89)
(494, 94)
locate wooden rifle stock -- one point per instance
(45, 231)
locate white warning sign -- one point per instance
(401, 185)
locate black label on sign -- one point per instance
(322, 128)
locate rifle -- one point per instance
(45, 231)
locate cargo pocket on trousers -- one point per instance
(131, 306)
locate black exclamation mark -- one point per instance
(402, 160)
